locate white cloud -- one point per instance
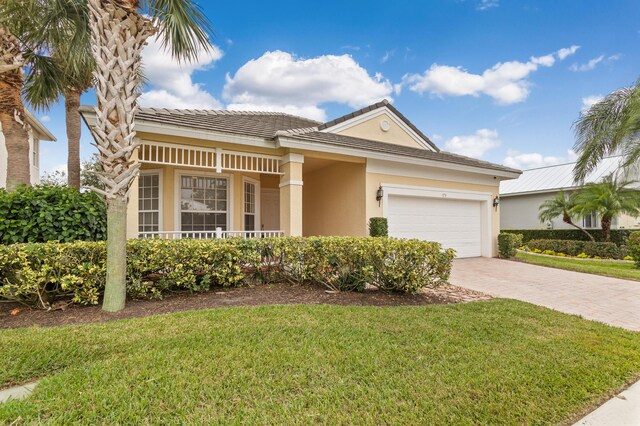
(475, 145)
(588, 101)
(506, 82)
(170, 82)
(387, 55)
(280, 81)
(487, 4)
(567, 51)
(532, 160)
(45, 118)
(592, 63)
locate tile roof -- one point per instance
(383, 103)
(555, 178)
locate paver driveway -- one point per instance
(610, 300)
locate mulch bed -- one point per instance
(280, 294)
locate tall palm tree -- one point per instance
(53, 40)
(608, 199)
(119, 32)
(560, 206)
(609, 127)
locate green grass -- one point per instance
(626, 270)
(496, 362)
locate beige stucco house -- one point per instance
(262, 174)
(37, 133)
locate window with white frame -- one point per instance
(249, 206)
(149, 202)
(204, 203)
(590, 221)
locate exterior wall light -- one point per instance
(379, 194)
(496, 202)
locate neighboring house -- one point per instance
(37, 133)
(520, 199)
(265, 173)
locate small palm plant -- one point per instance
(609, 127)
(608, 199)
(560, 206)
(119, 32)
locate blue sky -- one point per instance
(494, 79)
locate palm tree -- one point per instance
(53, 38)
(609, 127)
(119, 32)
(562, 206)
(608, 199)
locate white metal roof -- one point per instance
(555, 178)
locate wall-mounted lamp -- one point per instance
(496, 202)
(379, 195)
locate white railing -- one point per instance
(201, 235)
(217, 159)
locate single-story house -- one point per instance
(520, 199)
(259, 174)
(37, 132)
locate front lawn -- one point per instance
(626, 270)
(496, 362)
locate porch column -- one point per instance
(291, 194)
(132, 203)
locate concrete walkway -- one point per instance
(621, 410)
(609, 300)
(18, 392)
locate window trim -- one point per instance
(595, 219)
(179, 173)
(257, 220)
(160, 192)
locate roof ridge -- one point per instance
(296, 131)
(194, 111)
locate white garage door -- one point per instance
(453, 223)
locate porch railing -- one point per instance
(200, 235)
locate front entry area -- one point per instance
(455, 220)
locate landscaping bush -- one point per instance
(39, 273)
(378, 227)
(50, 213)
(578, 248)
(618, 236)
(633, 245)
(507, 244)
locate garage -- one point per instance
(449, 219)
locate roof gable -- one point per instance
(380, 122)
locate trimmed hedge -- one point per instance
(574, 248)
(38, 274)
(51, 213)
(633, 245)
(508, 244)
(618, 236)
(378, 227)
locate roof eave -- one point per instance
(40, 128)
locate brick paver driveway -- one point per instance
(609, 300)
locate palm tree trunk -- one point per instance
(71, 105)
(566, 219)
(12, 112)
(118, 35)
(606, 228)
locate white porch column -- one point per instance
(132, 203)
(291, 194)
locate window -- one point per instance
(149, 202)
(249, 206)
(590, 221)
(203, 203)
(36, 145)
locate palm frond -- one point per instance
(183, 28)
(42, 85)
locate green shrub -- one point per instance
(579, 248)
(39, 273)
(378, 227)
(507, 244)
(618, 236)
(51, 213)
(633, 245)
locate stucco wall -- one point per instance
(334, 200)
(370, 129)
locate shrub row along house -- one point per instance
(37, 132)
(267, 174)
(522, 197)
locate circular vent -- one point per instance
(385, 126)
